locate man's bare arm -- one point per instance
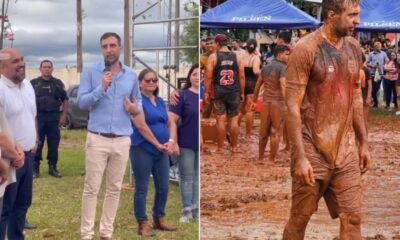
(282, 83)
(7, 148)
(360, 130)
(241, 74)
(209, 76)
(302, 167)
(256, 66)
(257, 88)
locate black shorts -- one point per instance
(249, 87)
(227, 104)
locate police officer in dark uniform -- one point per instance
(52, 107)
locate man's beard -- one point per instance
(342, 32)
(109, 63)
(17, 79)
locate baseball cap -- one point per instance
(220, 38)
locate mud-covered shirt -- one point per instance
(272, 74)
(329, 77)
(226, 78)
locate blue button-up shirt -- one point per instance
(106, 108)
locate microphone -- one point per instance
(107, 68)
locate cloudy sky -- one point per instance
(46, 29)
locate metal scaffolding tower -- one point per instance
(172, 48)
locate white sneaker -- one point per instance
(398, 113)
(186, 216)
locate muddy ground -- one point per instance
(245, 199)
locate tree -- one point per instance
(190, 35)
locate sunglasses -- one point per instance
(153, 80)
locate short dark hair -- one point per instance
(279, 49)
(110, 34)
(286, 36)
(143, 73)
(334, 5)
(209, 39)
(237, 40)
(221, 39)
(188, 83)
(46, 61)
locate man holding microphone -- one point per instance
(103, 89)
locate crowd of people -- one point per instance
(127, 119)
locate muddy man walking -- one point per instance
(325, 122)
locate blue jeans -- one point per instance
(144, 164)
(188, 162)
(17, 200)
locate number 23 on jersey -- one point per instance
(226, 77)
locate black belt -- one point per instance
(107, 135)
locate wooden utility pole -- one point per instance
(2, 24)
(127, 41)
(79, 64)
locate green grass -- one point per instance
(56, 205)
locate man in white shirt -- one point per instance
(18, 100)
(9, 157)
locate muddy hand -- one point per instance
(304, 171)
(253, 106)
(365, 159)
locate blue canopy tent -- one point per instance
(380, 16)
(270, 14)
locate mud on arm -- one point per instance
(360, 129)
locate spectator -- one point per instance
(251, 72)
(210, 46)
(376, 61)
(50, 96)
(17, 98)
(366, 89)
(236, 45)
(148, 154)
(202, 46)
(284, 38)
(187, 137)
(390, 77)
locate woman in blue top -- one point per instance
(187, 136)
(148, 154)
